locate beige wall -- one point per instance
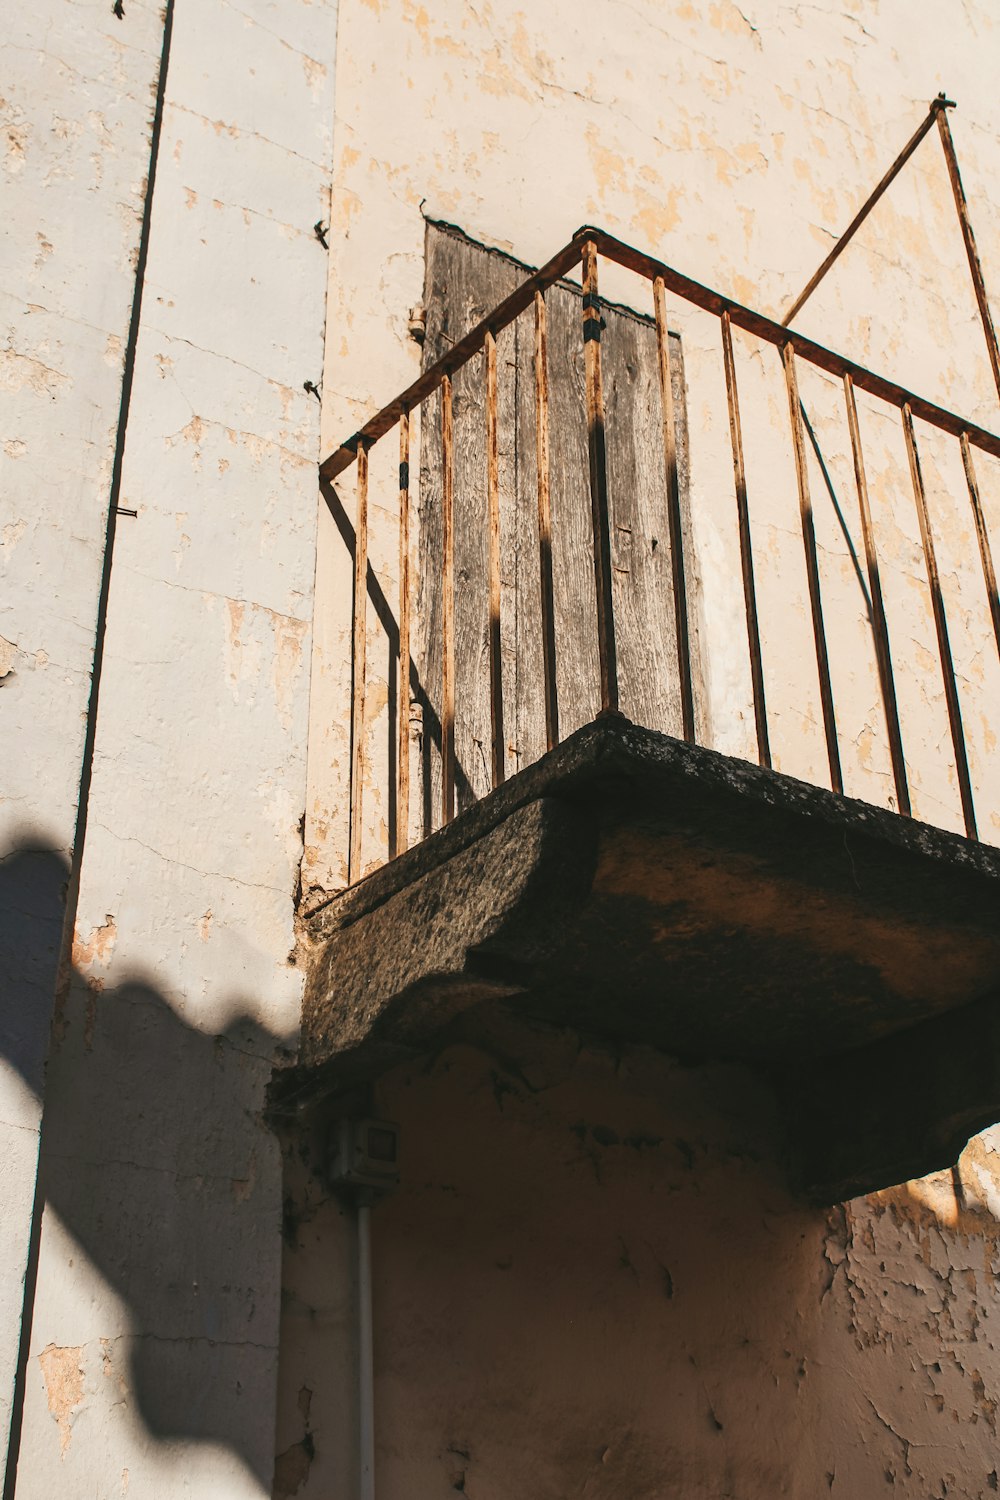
(735, 144)
(592, 1279)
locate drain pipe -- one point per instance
(366, 1361)
(364, 1166)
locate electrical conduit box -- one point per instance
(364, 1155)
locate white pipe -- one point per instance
(366, 1370)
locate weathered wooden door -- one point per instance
(463, 282)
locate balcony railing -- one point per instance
(584, 254)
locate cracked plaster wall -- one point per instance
(75, 108)
(592, 1280)
(152, 1363)
(736, 143)
(714, 137)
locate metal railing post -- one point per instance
(883, 654)
(403, 669)
(746, 548)
(812, 569)
(982, 536)
(941, 627)
(359, 663)
(597, 446)
(447, 606)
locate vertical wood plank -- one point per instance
(681, 630)
(812, 568)
(576, 658)
(463, 283)
(550, 672)
(360, 663)
(642, 553)
(546, 596)
(940, 626)
(746, 548)
(597, 446)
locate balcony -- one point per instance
(629, 880)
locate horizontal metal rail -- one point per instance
(682, 286)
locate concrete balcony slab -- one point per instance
(643, 890)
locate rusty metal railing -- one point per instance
(584, 253)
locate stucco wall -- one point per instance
(76, 109)
(736, 144)
(592, 1279)
(153, 1356)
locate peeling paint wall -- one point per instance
(152, 1363)
(592, 1279)
(735, 143)
(76, 107)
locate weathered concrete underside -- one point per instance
(647, 891)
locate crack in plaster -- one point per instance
(277, 615)
(236, 133)
(256, 22)
(255, 885)
(299, 459)
(176, 338)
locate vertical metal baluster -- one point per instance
(545, 525)
(493, 502)
(746, 550)
(983, 535)
(812, 568)
(447, 607)
(599, 482)
(941, 626)
(360, 663)
(674, 512)
(883, 654)
(403, 669)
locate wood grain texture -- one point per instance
(463, 282)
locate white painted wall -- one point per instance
(76, 109)
(736, 144)
(152, 1363)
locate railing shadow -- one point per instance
(419, 694)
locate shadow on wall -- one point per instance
(605, 1237)
(156, 1161)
